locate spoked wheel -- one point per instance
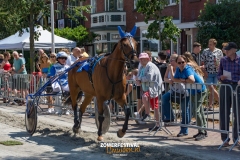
(31, 117)
(106, 114)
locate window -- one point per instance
(150, 45)
(113, 5)
(59, 10)
(104, 37)
(172, 2)
(189, 43)
(115, 37)
(120, 5)
(101, 48)
(135, 4)
(94, 6)
(72, 4)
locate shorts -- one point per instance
(138, 92)
(212, 78)
(20, 83)
(153, 101)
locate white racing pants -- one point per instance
(57, 88)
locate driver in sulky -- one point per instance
(57, 68)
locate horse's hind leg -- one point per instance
(87, 100)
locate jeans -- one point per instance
(197, 110)
(185, 114)
(167, 112)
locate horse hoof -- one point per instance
(120, 134)
(100, 138)
(76, 129)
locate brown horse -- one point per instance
(108, 82)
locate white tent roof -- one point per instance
(44, 41)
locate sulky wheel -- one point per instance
(107, 117)
(31, 117)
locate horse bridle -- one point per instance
(133, 52)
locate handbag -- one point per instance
(176, 97)
(177, 92)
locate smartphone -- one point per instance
(1, 60)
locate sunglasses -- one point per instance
(181, 62)
(62, 58)
(52, 56)
(171, 60)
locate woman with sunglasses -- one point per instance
(167, 112)
(57, 68)
(186, 74)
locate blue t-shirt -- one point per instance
(17, 64)
(144, 85)
(188, 71)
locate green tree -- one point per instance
(152, 9)
(219, 21)
(78, 34)
(26, 14)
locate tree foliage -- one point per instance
(219, 21)
(78, 34)
(152, 9)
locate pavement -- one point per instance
(205, 149)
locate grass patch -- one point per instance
(11, 143)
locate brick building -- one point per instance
(106, 15)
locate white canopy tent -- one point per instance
(44, 41)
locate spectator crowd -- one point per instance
(177, 70)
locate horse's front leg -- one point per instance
(121, 132)
(77, 124)
(100, 105)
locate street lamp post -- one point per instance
(52, 25)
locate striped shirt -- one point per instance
(232, 66)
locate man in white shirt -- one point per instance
(76, 52)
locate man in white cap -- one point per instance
(151, 82)
(21, 56)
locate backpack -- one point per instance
(163, 69)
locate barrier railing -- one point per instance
(179, 111)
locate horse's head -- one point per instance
(128, 44)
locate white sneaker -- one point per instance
(67, 112)
(136, 115)
(50, 110)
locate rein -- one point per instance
(133, 52)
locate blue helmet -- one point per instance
(62, 54)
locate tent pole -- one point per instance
(52, 26)
(23, 51)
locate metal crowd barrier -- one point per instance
(14, 85)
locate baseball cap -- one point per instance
(231, 45)
(143, 55)
(20, 54)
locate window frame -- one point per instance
(60, 10)
(118, 7)
(94, 8)
(135, 4)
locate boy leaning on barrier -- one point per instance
(229, 74)
(149, 73)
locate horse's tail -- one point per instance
(69, 100)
